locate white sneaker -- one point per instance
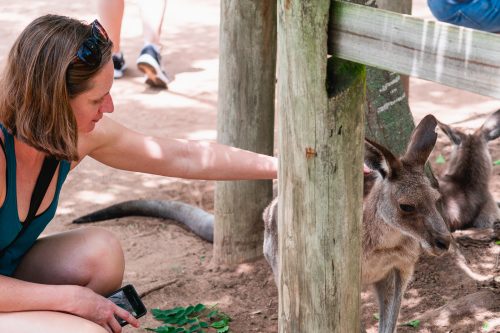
(149, 62)
(119, 65)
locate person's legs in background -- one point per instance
(152, 12)
(111, 16)
(149, 61)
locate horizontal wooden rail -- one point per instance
(454, 56)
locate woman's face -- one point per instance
(90, 105)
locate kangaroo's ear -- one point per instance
(379, 158)
(454, 135)
(491, 127)
(422, 141)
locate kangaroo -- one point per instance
(399, 217)
(464, 186)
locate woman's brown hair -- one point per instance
(40, 78)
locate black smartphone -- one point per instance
(128, 299)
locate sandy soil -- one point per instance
(168, 264)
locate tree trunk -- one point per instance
(401, 6)
(388, 116)
(247, 77)
(320, 188)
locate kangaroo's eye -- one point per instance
(407, 208)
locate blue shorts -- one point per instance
(477, 14)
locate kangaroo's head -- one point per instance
(402, 195)
(470, 162)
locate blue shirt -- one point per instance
(477, 14)
(10, 225)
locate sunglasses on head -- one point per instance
(89, 52)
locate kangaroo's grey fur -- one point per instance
(464, 185)
(399, 217)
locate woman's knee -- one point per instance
(90, 257)
(103, 259)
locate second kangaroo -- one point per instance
(399, 218)
(464, 185)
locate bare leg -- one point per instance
(111, 16)
(90, 257)
(152, 12)
(46, 322)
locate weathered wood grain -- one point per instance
(321, 126)
(455, 56)
(247, 76)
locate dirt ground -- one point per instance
(170, 265)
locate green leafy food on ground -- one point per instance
(412, 323)
(440, 159)
(497, 162)
(191, 319)
(497, 242)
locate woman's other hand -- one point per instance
(87, 304)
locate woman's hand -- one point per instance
(366, 170)
(94, 307)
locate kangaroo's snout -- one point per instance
(439, 243)
(442, 244)
(437, 238)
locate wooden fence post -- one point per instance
(321, 153)
(247, 76)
